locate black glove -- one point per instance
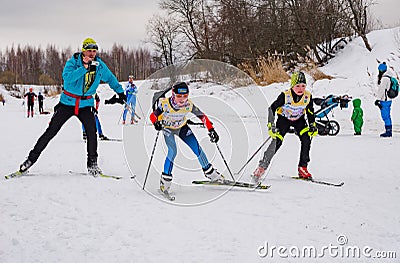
(92, 65)
(158, 125)
(121, 98)
(95, 111)
(113, 100)
(213, 135)
(377, 103)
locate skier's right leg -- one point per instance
(282, 125)
(61, 114)
(166, 175)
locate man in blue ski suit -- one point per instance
(130, 92)
(82, 75)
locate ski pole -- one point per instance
(120, 116)
(151, 158)
(140, 106)
(226, 164)
(262, 145)
(131, 110)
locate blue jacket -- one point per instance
(74, 77)
(130, 90)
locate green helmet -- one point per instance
(298, 77)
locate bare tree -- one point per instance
(163, 34)
(356, 15)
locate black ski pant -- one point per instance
(30, 107)
(40, 106)
(283, 125)
(61, 114)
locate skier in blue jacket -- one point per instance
(130, 92)
(82, 75)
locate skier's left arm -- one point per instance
(312, 126)
(310, 111)
(108, 77)
(211, 131)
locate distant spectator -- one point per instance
(30, 101)
(383, 102)
(40, 100)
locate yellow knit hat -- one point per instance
(89, 44)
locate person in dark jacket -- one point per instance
(40, 100)
(291, 107)
(82, 75)
(30, 101)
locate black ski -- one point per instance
(234, 184)
(318, 181)
(111, 140)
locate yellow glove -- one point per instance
(312, 129)
(273, 131)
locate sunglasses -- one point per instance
(180, 96)
(91, 46)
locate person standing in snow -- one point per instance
(170, 117)
(357, 116)
(30, 101)
(96, 117)
(40, 100)
(291, 107)
(130, 92)
(383, 102)
(82, 75)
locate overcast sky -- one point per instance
(67, 23)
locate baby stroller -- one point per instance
(324, 124)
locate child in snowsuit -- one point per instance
(357, 116)
(291, 107)
(170, 116)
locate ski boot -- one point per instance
(93, 169)
(23, 168)
(304, 173)
(165, 182)
(103, 137)
(123, 122)
(257, 175)
(213, 174)
(388, 131)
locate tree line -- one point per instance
(237, 31)
(37, 66)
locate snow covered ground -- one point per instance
(55, 216)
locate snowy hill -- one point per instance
(55, 216)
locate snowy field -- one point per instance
(54, 216)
